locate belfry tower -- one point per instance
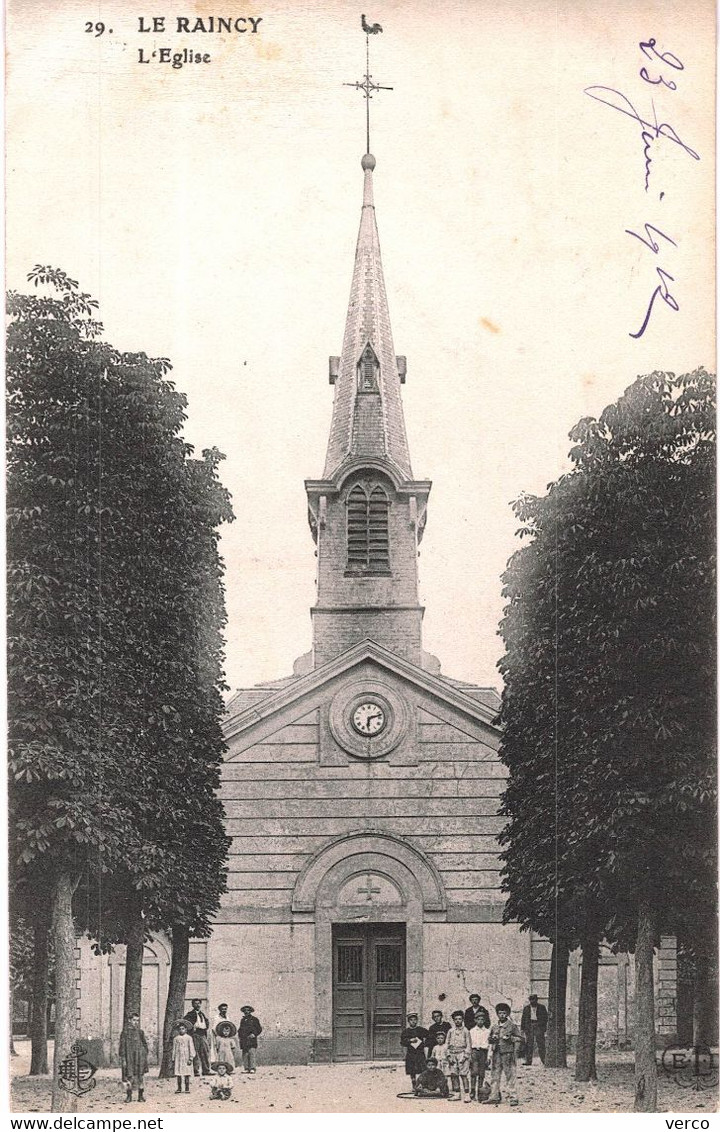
(362, 791)
(367, 513)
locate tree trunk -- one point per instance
(66, 994)
(13, 1051)
(556, 1048)
(645, 1066)
(704, 1014)
(134, 966)
(38, 1013)
(585, 1069)
(176, 993)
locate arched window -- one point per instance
(367, 529)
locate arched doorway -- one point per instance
(368, 893)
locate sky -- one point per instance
(212, 209)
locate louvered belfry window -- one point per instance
(367, 529)
(368, 369)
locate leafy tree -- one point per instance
(108, 701)
(625, 540)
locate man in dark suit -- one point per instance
(476, 1015)
(533, 1024)
(199, 1028)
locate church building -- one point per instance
(362, 791)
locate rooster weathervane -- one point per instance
(367, 86)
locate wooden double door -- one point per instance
(368, 991)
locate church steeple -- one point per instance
(367, 513)
(367, 413)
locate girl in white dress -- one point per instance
(183, 1054)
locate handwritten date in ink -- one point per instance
(652, 129)
(661, 290)
(660, 69)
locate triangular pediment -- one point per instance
(294, 704)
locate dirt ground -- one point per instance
(364, 1087)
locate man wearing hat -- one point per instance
(248, 1033)
(199, 1027)
(533, 1024)
(505, 1038)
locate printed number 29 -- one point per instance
(98, 28)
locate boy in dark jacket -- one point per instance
(505, 1039)
(248, 1031)
(133, 1052)
(436, 1026)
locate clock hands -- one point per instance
(369, 719)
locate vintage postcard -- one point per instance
(361, 555)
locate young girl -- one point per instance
(183, 1054)
(224, 1038)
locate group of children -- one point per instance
(450, 1059)
(230, 1044)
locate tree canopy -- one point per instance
(115, 619)
(608, 711)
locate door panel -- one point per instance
(368, 991)
(349, 996)
(388, 995)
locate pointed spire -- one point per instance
(367, 412)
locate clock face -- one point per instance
(368, 718)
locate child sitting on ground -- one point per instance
(221, 1087)
(431, 1082)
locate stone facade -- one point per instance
(308, 818)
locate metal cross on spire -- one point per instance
(367, 86)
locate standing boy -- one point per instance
(133, 1057)
(476, 1015)
(505, 1039)
(458, 1057)
(480, 1042)
(248, 1033)
(414, 1039)
(437, 1026)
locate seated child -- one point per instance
(431, 1082)
(221, 1087)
